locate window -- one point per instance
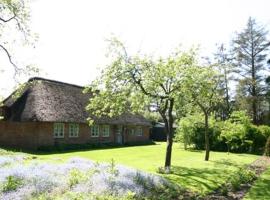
(58, 130)
(105, 131)
(131, 131)
(73, 130)
(139, 131)
(94, 131)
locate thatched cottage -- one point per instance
(49, 113)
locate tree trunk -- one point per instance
(185, 145)
(206, 137)
(168, 120)
(228, 148)
(267, 147)
(227, 97)
(254, 109)
(168, 152)
(253, 86)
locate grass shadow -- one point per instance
(75, 148)
(202, 180)
(226, 163)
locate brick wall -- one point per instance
(19, 134)
(30, 135)
(135, 138)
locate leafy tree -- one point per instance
(232, 132)
(14, 19)
(250, 49)
(135, 83)
(187, 129)
(203, 87)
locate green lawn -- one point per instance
(261, 189)
(189, 168)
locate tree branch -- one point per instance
(7, 20)
(16, 68)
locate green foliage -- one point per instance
(240, 117)
(11, 183)
(242, 176)
(234, 130)
(250, 47)
(191, 132)
(133, 83)
(82, 196)
(232, 133)
(236, 134)
(260, 189)
(264, 130)
(75, 177)
(112, 169)
(187, 129)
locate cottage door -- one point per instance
(119, 134)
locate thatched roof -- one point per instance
(54, 101)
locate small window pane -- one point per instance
(105, 130)
(131, 131)
(73, 130)
(58, 130)
(94, 131)
(139, 131)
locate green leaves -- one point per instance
(202, 86)
(132, 83)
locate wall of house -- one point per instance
(19, 134)
(134, 137)
(31, 135)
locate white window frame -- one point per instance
(139, 131)
(59, 130)
(106, 131)
(95, 131)
(131, 131)
(74, 129)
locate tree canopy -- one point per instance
(137, 83)
(14, 20)
(250, 49)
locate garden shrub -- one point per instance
(75, 177)
(11, 183)
(242, 176)
(236, 134)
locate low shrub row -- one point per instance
(69, 147)
(237, 134)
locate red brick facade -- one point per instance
(31, 135)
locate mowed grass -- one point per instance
(189, 168)
(261, 188)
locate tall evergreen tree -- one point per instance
(250, 49)
(223, 58)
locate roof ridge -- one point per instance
(54, 81)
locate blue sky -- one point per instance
(72, 34)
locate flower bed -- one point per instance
(76, 179)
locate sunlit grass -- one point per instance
(261, 188)
(189, 168)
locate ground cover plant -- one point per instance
(261, 187)
(79, 178)
(189, 170)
